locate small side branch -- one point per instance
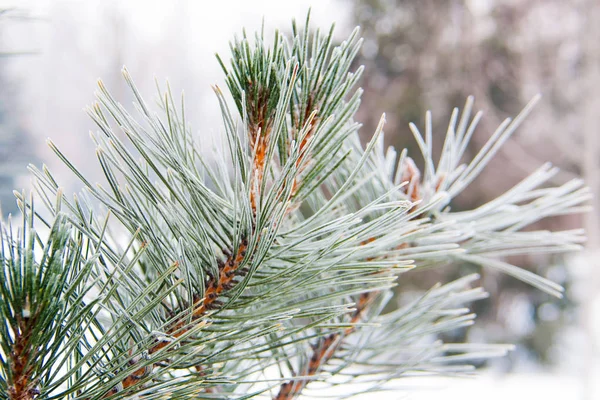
(312, 118)
(259, 140)
(323, 352)
(23, 385)
(224, 282)
(216, 287)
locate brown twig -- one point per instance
(323, 352)
(260, 125)
(201, 372)
(311, 121)
(24, 386)
(304, 159)
(412, 175)
(258, 142)
(216, 286)
(326, 348)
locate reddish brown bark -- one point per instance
(23, 386)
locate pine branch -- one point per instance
(42, 287)
(261, 90)
(327, 347)
(280, 250)
(322, 353)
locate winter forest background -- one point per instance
(419, 55)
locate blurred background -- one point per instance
(419, 55)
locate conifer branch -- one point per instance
(326, 348)
(24, 386)
(228, 271)
(280, 250)
(322, 352)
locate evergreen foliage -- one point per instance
(267, 268)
